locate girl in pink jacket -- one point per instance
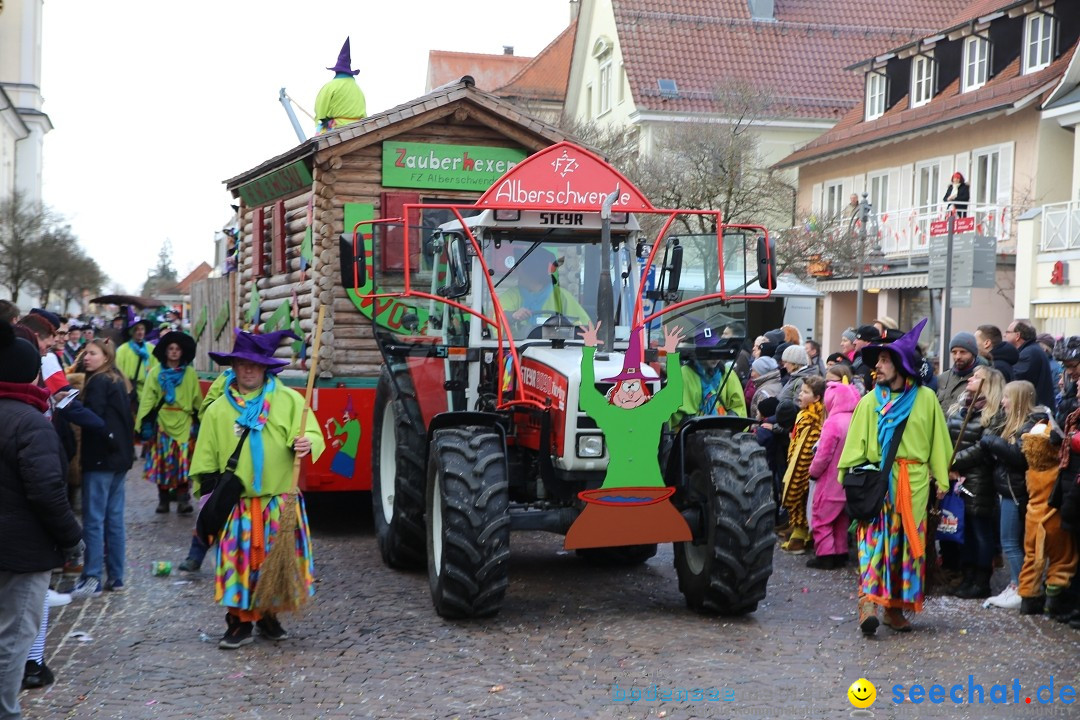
(829, 521)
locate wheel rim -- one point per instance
(436, 525)
(697, 555)
(387, 464)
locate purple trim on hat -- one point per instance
(247, 346)
(905, 349)
(631, 361)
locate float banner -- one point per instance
(451, 167)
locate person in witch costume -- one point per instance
(255, 401)
(632, 421)
(892, 546)
(168, 406)
(340, 101)
(267, 343)
(134, 358)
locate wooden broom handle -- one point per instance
(312, 371)
(967, 416)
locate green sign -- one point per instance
(283, 182)
(452, 167)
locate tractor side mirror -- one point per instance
(766, 262)
(353, 266)
(674, 268)
(457, 258)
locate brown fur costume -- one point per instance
(1046, 545)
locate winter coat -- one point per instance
(951, 385)
(1005, 356)
(1034, 366)
(111, 450)
(767, 386)
(840, 402)
(793, 384)
(36, 521)
(972, 462)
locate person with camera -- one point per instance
(892, 545)
(38, 529)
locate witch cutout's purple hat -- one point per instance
(904, 350)
(255, 348)
(631, 361)
(344, 61)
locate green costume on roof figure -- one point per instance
(340, 101)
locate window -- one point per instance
(985, 173)
(879, 192)
(927, 185)
(605, 85)
(875, 95)
(976, 62)
(834, 200)
(622, 83)
(1038, 41)
(922, 80)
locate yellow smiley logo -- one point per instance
(862, 693)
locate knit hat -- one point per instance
(767, 406)
(848, 335)
(767, 349)
(868, 333)
(796, 355)
(1046, 339)
(52, 317)
(778, 354)
(838, 358)
(19, 360)
(966, 341)
(763, 365)
(775, 336)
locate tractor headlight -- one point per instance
(590, 446)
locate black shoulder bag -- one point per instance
(224, 489)
(866, 487)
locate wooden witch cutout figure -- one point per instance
(632, 506)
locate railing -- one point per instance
(904, 234)
(1061, 227)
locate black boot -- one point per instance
(967, 579)
(183, 503)
(1032, 605)
(162, 500)
(979, 587)
(1060, 606)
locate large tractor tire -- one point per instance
(398, 476)
(468, 522)
(625, 555)
(728, 477)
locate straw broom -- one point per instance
(280, 587)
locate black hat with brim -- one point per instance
(185, 341)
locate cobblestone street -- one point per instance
(370, 646)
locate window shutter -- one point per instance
(279, 264)
(393, 248)
(962, 165)
(258, 257)
(1005, 174)
(815, 199)
(895, 202)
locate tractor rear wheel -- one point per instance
(726, 573)
(468, 522)
(397, 475)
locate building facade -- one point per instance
(23, 124)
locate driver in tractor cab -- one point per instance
(538, 292)
(710, 385)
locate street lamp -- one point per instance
(864, 213)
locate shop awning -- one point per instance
(876, 282)
(1046, 310)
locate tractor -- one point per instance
(478, 429)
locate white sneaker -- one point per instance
(55, 599)
(1008, 599)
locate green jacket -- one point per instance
(174, 418)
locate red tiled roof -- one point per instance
(200, 273)
(980, 8)
(798, 60)
(489, 71)
(950, 105)
(545, 77)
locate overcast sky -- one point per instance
(155, 103)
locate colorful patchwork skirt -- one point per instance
(244, 546)
(888, 573)
(168, 463)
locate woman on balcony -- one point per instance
(957, 196)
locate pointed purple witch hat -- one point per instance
(255, 348)
(631, 361)
(344, 61)
(904, 350)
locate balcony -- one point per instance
(1061, 227)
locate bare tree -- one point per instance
(21, 226)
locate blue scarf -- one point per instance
(534, 300)
(169, 378)
(141, 351)
(892, 410)
(710, 387)
(253, 415)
